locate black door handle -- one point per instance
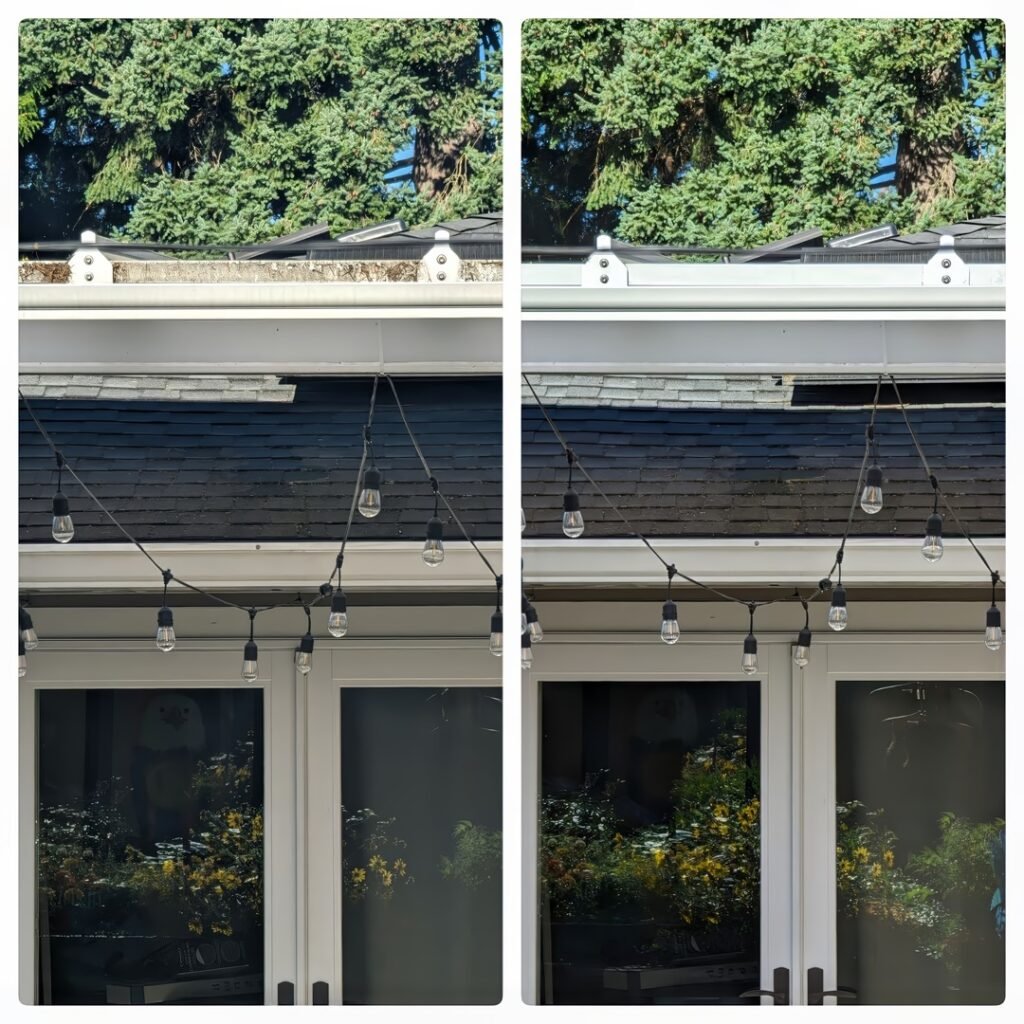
(285, 993)
(780, 995)
(816, 990)
(321, 993)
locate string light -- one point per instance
(433, 546)
(993, 621)
(526, 651)
(802, 651)
(165, 639)
(62, 528)
(572, 517)
(669, 615)
(304, 652)
(369, 496)
(22, 660)
(749, 661)
(932, 546)
(337, 620)
(496, 642)
(250, 655)
(27, 630)
(533, 625)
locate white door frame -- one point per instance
(136, 664)
(882, 657)
(611, 657)
(336, 666)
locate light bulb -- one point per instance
(337, 620)
(837, 615)
(524, 625)
(533, 625)
(993, 629)
(433, 546)
(63, 528)
(802, 651)
(522, 521)
(572, 517)
(749, 662)
(871, 496)
(526, 651)
(22, 660)
(250, 669)
(369, 496)
(165, 630)
(304, 654)
(669, 622)
(932, 546)
(497, 642)
(28, 633)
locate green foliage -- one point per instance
(234, 131)
(934, 895)
(703, 864)
(738, 133)
(477, 859)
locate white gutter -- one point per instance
(327, 299)
(378, 566)
(784, 562)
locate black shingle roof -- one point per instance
(210, 471)
(760, 472)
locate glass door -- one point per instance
(405, 830)
(913, 768)
(652, 849)
(144, 789)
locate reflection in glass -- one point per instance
(150, 846)
(921, 841)
(421, 845)
(649, 842)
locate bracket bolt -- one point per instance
(604, 279)
(441, 276)
(441, 258)
(946, 264)
(88, 261)
(946, 279)
(604, 263)
(88, 277)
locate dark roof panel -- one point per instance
(211, 471)
(761, 472)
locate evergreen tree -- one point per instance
(214, 130)
(737, 133)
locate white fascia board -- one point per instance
(787, 562)
(378, 566)
(943, 344)
(453, 343)
(320, 299)
(681, 286)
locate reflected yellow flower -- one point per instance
(387, 878)
(168, 867)
(195, 927)
(889, 858)
(659, 857)
(400, 866)
(862, 854)
(359, 875)
(876, 870)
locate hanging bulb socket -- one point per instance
(572, 517)
(337, 618)
(837, 613)
(993, 629)
(749, 663)
(22, 660)
(871, 496)
(28, 633)
(802, 651)
(932, 546)
(250, 665)
(433, 546)
(165, 638)
(304, 654)
(533, 625)
(63, 529)
(526, 651)
(669, 622)
(369, 504)
(497, 639)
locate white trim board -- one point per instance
(386, 565)
(818, 343)
(790, 561)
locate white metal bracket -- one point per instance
(603, 268)
(945, 268)
(89, 265)
(441, 263)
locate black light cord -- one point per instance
(438, 493)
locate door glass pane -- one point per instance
(649, 842)
(921, 841)
(421, 845)
(150, 846)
